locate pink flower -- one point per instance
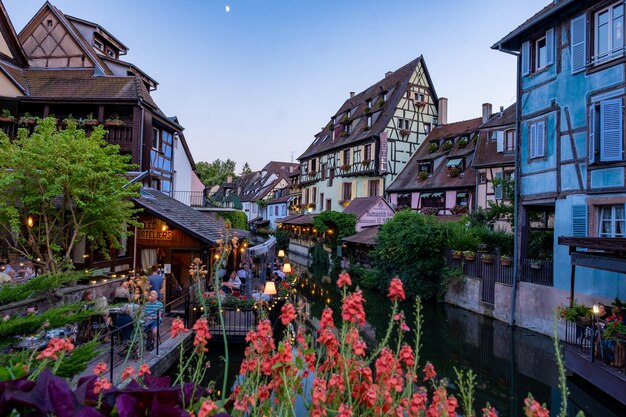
(489, 411)
(396, 290)
(6, 317)
(56, 345)
(352, 310)
(100, 368)
(533, 409)
(128, 372)
(101, 384)
(178, 327)
(345, 411)
(344, 279)
(404, 327)
(429, 371)
(207, 408)
(202, 334)
(287, 314)
(143, 370)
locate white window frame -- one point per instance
(613, 220)
(538, 65)
(611, 52)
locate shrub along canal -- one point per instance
(509, 362)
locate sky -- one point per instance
(256, 83)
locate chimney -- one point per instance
(486, 112)
(229, 178)
(351, 94)
(443, 111)
(388, 73)
(291, 169)
(501, 110)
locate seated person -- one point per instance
(7, 269)
(233, 283)
(122, 293)
(258, 294)
(123, 319)
(152, 315)
(616, 315)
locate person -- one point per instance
(7, 269)
(616, 315)
(277, 263)
(156, 281)
(233, 283)
(152, 316)
(122, 293)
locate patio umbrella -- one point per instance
(4, 278)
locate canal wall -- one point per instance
(534, 307)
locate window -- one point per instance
(537, 140)
(346, 157)
(346, 193)
(498, 189)
(538, 53)
(404, 200)
(509, 140)
(385, 96)
(482, 178)
(374, 186)
(400, 123)
(97, 44)
(611, 221)
(312, 165)
(609, 33)
(369, 103)
(323, 172)
(420, 97)
(369, 121)
(321, 200)
(605, 131)
(328, 204)
(462, 199)
(347, 128)
(425, 167)
(367, 154)
(433, 200)
(331, 176)
(314, 195)
(156, 136)
(427, 127)
(276, 211)
(455, 163)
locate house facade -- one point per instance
(570, 159)
(369, 140)
(439, 178)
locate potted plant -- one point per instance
(366, 109)
(344, 134)
(487, 258)
(344, 203)
(470, 255)
(423, 175)
(505, 260)
(68, 119)
(6, 116)
(27, 119)
(90, 120)
(404, 132)
(534, 264)
(457, 254)
(365, 162)
(330, 126)
(433, 147)
(345, 118)
(454, 172)
(345, 167)
(114, 121)
(366, 128)
(462, 143)
(447, 145)
(575, 312)
(458, 209)
(381, 102)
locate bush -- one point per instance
(540, 245)
(447, 145)
(237, 219)
(410, 246)
(10, 293)
(459, 237)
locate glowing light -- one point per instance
(164, 227)
(227, 8)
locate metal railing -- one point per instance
(587, 338)
(537, 272)
(190, 198)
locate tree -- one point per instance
(337, 225)
(410, 246)
(216, 172)
(59, 187)
(246, 169)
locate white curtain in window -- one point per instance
(148, 258)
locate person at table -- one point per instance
(156, 280)
(233, 283)
(152, 315)
(7, 269)
(122, 293)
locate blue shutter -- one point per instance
(578, 41)
(579, 221)
(541, 139)
(611, 130)
(549, 46)
(592, 135)
(526, 58)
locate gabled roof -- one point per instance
(132, 68)
(394, 85)
(439, 179)
(487, 149)
(7, 31)
(366, 236)
(16, 75)
(360, 205)
(204, 227)
(511, 42)
(99, 29)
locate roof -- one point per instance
(7, 31)
(511, 41)
(132, 67)
(439, 179)
(394, 85)
(297, 219)
(16, 75)
(206, 228)
(366, 236)
(487, 149)
(98, 28)
(360, 205)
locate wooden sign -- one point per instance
(152, 232)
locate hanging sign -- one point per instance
(150, 231)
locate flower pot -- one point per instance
(6, 119)
(505, 262)
(457, 256)
(535, 265)
(470, 257)
(90, 123)
(487, 260)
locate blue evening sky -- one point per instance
(255, 84)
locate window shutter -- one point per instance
(526, 58)
(592, 135)
(578, 40)
(550, 46)
(498, 189)
(611, 130)
(541, 139)
(500, 141)
(532, 141)
(579, 221)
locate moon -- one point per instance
(227, 8)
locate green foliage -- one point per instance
(338, 225)
(460, 237)
(10, 293)
(319, 257)
(282, 239)
(261, 203)
(410, 246)
(246, 169)
(363, 277)
(216, 172)
(447, 145)
(72, 186)
(76, 362)
(614, 330)
(541, 245)
(237, 219)
(575, 312)
(433, 147)
(494, 240)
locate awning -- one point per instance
(464, 194)
(454, 162)
(263, 248)
(426, 195)
(436, 195)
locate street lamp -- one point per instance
(281, 253)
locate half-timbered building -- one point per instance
(369, 140)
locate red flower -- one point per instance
(344, 279)
(429, 371)
(396, 290)
(101, 384)
(100, 368)
(207, 408)
(143, 370)
(352, 309)
(533, 409)
(202, 334)
(178, 327)
(489, 411)
(287, 314)
(406, 355)
(55, 345)
(128, 372)
(345, 411)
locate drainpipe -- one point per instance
(141, 136)
(518, 177)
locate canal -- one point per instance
(509, 362)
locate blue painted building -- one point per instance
(570, 117)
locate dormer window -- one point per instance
(110, 53)
(369, 121)
(425, 167)
(97, 44)
(385, 96)
(455, 163)
(368, 103)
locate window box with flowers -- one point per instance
(89, 120)
(447, 145)
(423, 175)
(454, 172)
(404, 132)
(114, 121)
(433, 147)
(311, 206)
(365, 162)
(27, 119)
(469, 255)
(505, 260)
(430, 211)
(462, 143)
(345, 119)
(487, 258)
(457, 254)
(344, 203)
(381, 102)
(345, 167)
(458, 209)
(6, 116)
